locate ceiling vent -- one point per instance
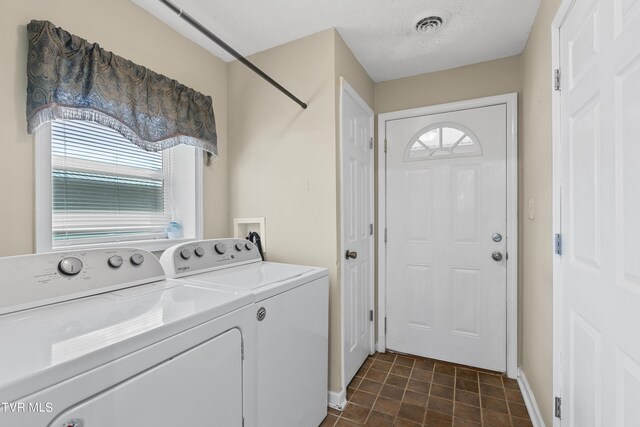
(430, 24)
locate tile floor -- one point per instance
(398, 390)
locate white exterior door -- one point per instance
(600, 214)
(446, 202)
(357, 230)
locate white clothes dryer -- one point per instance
(291, 313)
(99, 338)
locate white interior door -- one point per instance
(357, 230)
(600, 214)
(446, 203)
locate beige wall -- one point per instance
(116, 26)
(536, 236)
(458, 84)
(347, 66)
(282, 158)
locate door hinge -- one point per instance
(371, 143)
(385, 325)
(371, 229)
(558, 407)
(556, 79)
(370, 315)
(385, 145)
(385, 235)
(558, 244)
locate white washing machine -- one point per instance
(98, 338)
(291, 314)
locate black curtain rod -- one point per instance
(198, 26)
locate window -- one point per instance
(443, 140)
(96, 187)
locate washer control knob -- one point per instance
(70, 266)
(248, 245)
(198, 251)
(115, 261)
(220, 248)
(137, 259)
(239, 247)
(185, 253)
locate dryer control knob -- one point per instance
(115, 261)
(137, 259)
(70, 266)
(239, 247)
(185, 254)
(248, 245)
(220, 248)
(198, 251)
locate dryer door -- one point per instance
(200, 387)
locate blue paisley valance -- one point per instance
(70, 78)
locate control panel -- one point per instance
(206, 255)
(29, 281)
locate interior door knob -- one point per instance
(497, 256)
(351, 254)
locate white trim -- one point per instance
(561, 15)
(345, 87)
(511, 102)
(199, 194)
(43, 194)
(530, 400)
(337, 400)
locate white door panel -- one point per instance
(446, 296)
(357, 218)
(600, 224)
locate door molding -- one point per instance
(511, 102)
(556, 142)
(346, 88)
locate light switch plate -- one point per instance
(532, 209)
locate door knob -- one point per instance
(497, 256)
(351, 254)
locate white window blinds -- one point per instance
(104, 188)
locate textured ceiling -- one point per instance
(380, 33)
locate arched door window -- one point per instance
(442, 140)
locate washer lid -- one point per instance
(252, 277)
(49, 344)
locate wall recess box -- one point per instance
(243, 226)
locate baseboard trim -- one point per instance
(338, 399)
(530, 400)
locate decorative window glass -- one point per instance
(443, 140)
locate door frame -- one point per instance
(556, 142)
(511, 102)
(346, 88)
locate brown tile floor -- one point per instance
(398, 390)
